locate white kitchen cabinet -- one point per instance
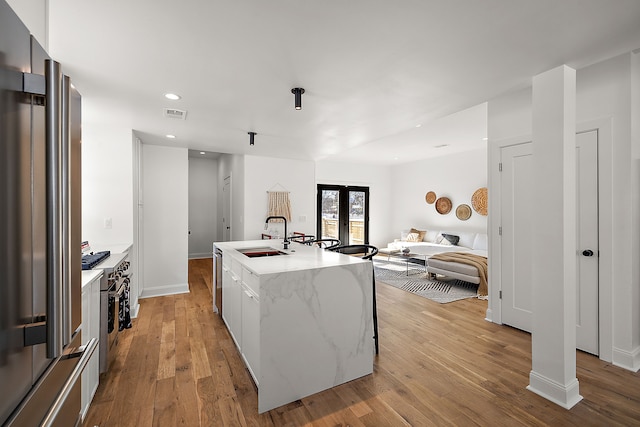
(250, 348)
(231, 295)
(226, 294)
(241, 311)
(90, 329)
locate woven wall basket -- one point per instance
(463, 212)
(443, 205)
(430, 197)
(480, 201)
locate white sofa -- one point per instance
(469, 242)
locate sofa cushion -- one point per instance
(431, 236)
(413, 237)
(421, 233)
(466, 238)
(442, 240)
(481, 242)
(451, 238)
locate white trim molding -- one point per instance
(629, 360)
(161, 291)
(566, 396)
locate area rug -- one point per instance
(442, 291)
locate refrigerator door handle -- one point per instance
(84, 353)
(65, 187)
(53, 136)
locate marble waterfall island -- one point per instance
(302, 319)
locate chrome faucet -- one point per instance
(286, 238)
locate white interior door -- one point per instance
(516, 182)
(517, 187)
(587, 241)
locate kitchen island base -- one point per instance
(303, 322)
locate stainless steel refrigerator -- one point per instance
(41, 359)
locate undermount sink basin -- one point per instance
(261, 252)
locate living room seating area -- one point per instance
(470, 248)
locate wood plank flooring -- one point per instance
(439, 364)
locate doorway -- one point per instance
(516, 183)
(226, 209)
(343, 213)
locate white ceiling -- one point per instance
(372, 69)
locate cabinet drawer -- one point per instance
(251, 280)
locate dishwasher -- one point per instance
(217, 278)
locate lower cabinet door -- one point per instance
(251, 332)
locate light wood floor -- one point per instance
(439, 364)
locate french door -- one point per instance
(343, 213)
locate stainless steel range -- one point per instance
(114, 307)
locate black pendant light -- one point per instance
(252, 137)
(298, 91)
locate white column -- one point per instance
(553, 338)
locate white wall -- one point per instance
(267, 173)
(35, 15)
(203, 206)
(456, 176)
(165, 181)
(604, 96)
(107, 176)
(378, 179)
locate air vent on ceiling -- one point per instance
(175, 114)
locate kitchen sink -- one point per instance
(261, 252)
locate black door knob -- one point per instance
(587, 252)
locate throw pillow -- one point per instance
(421, 234)
(413, 237)
(452, 239)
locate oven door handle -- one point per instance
(116, 290)
(120, 291)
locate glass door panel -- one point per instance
(343, 213)
(356, 217)
(329, 209)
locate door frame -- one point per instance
(605, 229)
(227, 206)
(343, 191)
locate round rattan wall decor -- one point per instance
(480, 202)
(443, 205)
(463, 212)
(430, 197)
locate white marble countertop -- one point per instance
(89, 276)
(299, 256)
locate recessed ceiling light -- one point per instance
(172, 96)
(171, 136)
(418, 125)
(202, 152)
(485, 139)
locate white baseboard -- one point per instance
(629, 360)
(201, 255)
(488, 316)
(134, 311)
(160, 291)
(560, 394)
